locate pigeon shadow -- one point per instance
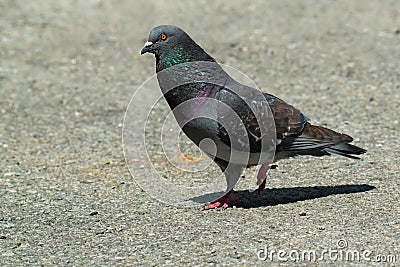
(276, 196)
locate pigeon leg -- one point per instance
(232, 174)
(224, 202)
(262, 175)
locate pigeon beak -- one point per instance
(147, 47)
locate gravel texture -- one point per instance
(68, 70)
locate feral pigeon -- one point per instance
(193, 82)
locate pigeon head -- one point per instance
(171, 45)
(161, 38)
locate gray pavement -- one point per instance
(68, 71)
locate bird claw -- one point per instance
(224, 202)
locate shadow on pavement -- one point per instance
(276, 196)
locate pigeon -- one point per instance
(208, 104)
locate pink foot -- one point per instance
(224, 202)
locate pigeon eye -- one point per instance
(163, 36)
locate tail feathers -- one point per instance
(346, 150)
(317, 141)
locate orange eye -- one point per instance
(163, 36)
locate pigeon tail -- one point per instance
(339, 142)
(318, 141)
(346, 150)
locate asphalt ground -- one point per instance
(68, 71)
